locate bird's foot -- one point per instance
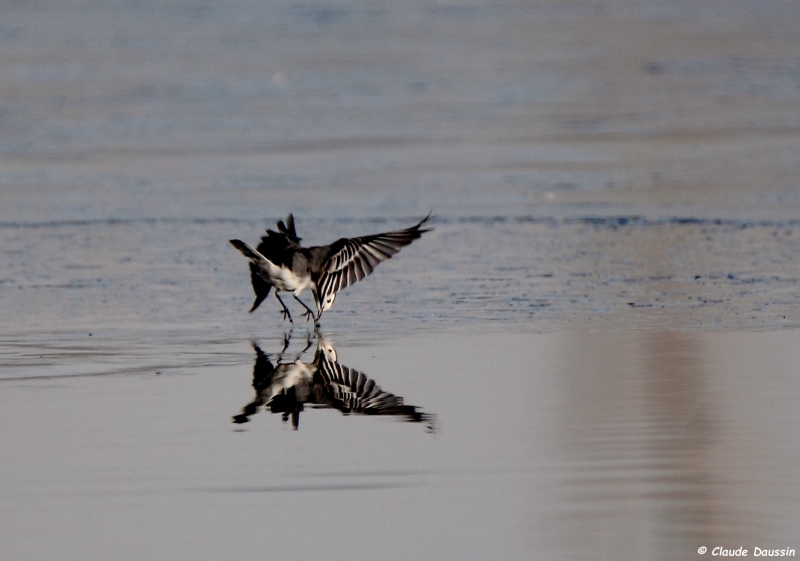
(287, 337)
(309, 342)
(287, 315)
(308, 314)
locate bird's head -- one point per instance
(327, 348)
(327, 304)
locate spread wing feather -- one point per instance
(351, 391)
(353, 259)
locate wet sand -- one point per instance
(598, 338)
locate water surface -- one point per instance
(548, 446)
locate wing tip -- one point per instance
(423, 221)
(288, 228)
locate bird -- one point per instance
(280, 262)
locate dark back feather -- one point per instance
(277, 247)
(288, 229)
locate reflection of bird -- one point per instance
(324, 383)
(281, 262)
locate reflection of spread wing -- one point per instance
(353, 259)
(350, 391)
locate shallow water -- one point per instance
(597, 339)
(544, 446)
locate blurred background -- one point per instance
(155, 109)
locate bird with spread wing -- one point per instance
(280, 262)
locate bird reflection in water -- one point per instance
(324, 383)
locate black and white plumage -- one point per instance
(281, 262)
(272, 246)
(287, 387)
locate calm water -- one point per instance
(579, 445)
(592, 356)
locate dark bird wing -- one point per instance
(288, 229)
(263, 369)
(350, 260)
(260, 286)
(274, 246)
(277, 246)
(263, 372)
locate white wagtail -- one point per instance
(281, 262)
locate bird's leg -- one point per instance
(309, 341)
(286, 313)
(287, 337)
(309, 313)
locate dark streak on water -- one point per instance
(311, 488)
(606, 221)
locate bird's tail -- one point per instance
(256, 257)
(246, 250)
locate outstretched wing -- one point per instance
(350, 260)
